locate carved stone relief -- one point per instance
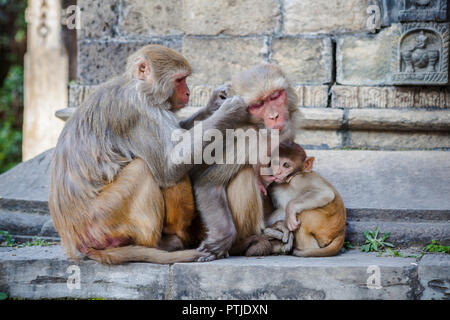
(423, 10)
(420, 54)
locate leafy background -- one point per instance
(12, 50)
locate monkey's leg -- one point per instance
(213, 207)
(136, 212)
(304, 239)
(244, 199)
(180, 211)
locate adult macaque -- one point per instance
(306, 203)
(115, 154)
(227, 195)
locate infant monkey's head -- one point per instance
(292, 160)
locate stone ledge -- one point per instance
(42, 272)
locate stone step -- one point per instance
(402, 192)
(43, 272)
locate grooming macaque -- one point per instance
(227, 195)
(114, 156)
(306, 204)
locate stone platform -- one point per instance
(404, 192)
(43, 272)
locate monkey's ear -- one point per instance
(141, 69)
(308, 164)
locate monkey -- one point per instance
(115, 154)
(226, 195)
(306, 204)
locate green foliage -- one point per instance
(375, 244)
(346, 246)
(434, 246)
(395, 253)
(8, 241)
(3, 296)
(12, 48)
(11, 104)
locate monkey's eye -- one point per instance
(256, 105)
(275, 95)
(286, 165)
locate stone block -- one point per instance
(342, 277)
(389, 140)
(309, 61)
(434, 276)
(320, 118)
(312, 96)
(407, 120)
(99, 61)
(390, 97)
(243, 17)
(44, 273)
(215, 60)
(151, 18)
(325, 16)
(364, 60)
(319, 139)
(98, 18)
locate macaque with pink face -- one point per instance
(305, 203)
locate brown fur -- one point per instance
(322, 230)
(113, 156)
(180, 211)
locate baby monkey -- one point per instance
(305, 203)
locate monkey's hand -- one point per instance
(280, 232)
(218, 97)
(234, 111)
(215, 248)
(291, 218)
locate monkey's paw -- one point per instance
(236, 109)
(279, 231)
(214, 250)
(218, 96)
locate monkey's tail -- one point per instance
(328, 251)
(141, 254)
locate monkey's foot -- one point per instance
(213, 250)
(278, 231)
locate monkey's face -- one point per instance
(271, 109)
(282, 168)
(181, 93)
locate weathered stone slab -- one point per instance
(341, 277)
(309, 61)
(98, 18)
(364, 60)
(424, 10)
(325, 16)
(26, 224)
(215, 60)
(319, 139)
(155, 18)
(388, 179)
(403, 234)
(390, 97)
(434, 276)
(43, 272)
(99, 61)
(27, 181)
(320, 118)
(202, 17)
(390, 140)
(408, 120)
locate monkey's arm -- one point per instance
(311, 199)
(219, 95)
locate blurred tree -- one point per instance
(12, 50)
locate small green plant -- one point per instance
(375, 244)
(3, 296)
(8, 241)
(434, 246)
(346, 246)
(395, 253)
(36, 241)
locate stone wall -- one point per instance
(357, 89)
